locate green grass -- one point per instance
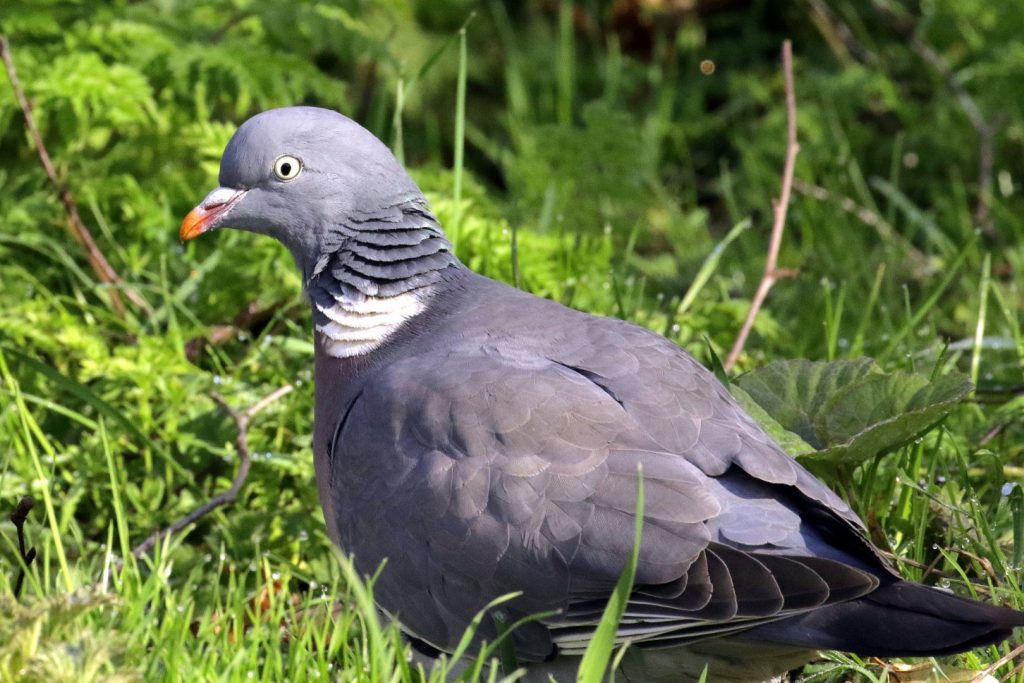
(588, 167)
(252, 593)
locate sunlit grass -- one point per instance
(616, 182)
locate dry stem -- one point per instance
(780, 206)
(839, 36)
(242, 420)
(983, 127)
(75, 226)
(1008, 657)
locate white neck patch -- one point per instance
(359, 323)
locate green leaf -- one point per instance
(793, 392)
(716, 364)
(845, 411)
(790, 442)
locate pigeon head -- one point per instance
(300, 175)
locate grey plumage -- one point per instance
(489, 443)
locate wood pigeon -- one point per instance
(486, 441)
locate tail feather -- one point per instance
(901, 619)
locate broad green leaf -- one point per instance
(883, 412)
(845, 411)
(793, 392)
(790, 441)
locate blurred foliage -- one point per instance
(615, 151)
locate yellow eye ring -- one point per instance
(287, 167)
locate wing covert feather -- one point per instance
(513, 472)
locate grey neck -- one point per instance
(380, 273)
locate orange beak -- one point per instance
(204, 217)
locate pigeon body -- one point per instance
(485, 441)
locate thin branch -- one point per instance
(837, 34)
(250, 317)
(75, 225)
(917, 261)
(843, 42)
(18, 518)
(991, 669)
(772, 273)
(242, 420)
(983, 127)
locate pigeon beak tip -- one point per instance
(198, 221)
(204, 217)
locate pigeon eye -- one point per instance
(287, 167)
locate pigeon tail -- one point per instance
(901, 619)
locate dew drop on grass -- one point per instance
(276, 576)
(1008, 488)
(217, 379)
(303, 535)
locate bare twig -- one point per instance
(1008, 657)
(916, 260)
(837, 34)
(18, 518)
(983, 127)
(771, 272)
(252, 316)
(844, 44)
(1016, 670)
(75, 225)
(242, 420)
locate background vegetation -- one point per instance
(611, 149)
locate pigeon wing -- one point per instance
(479, 472)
